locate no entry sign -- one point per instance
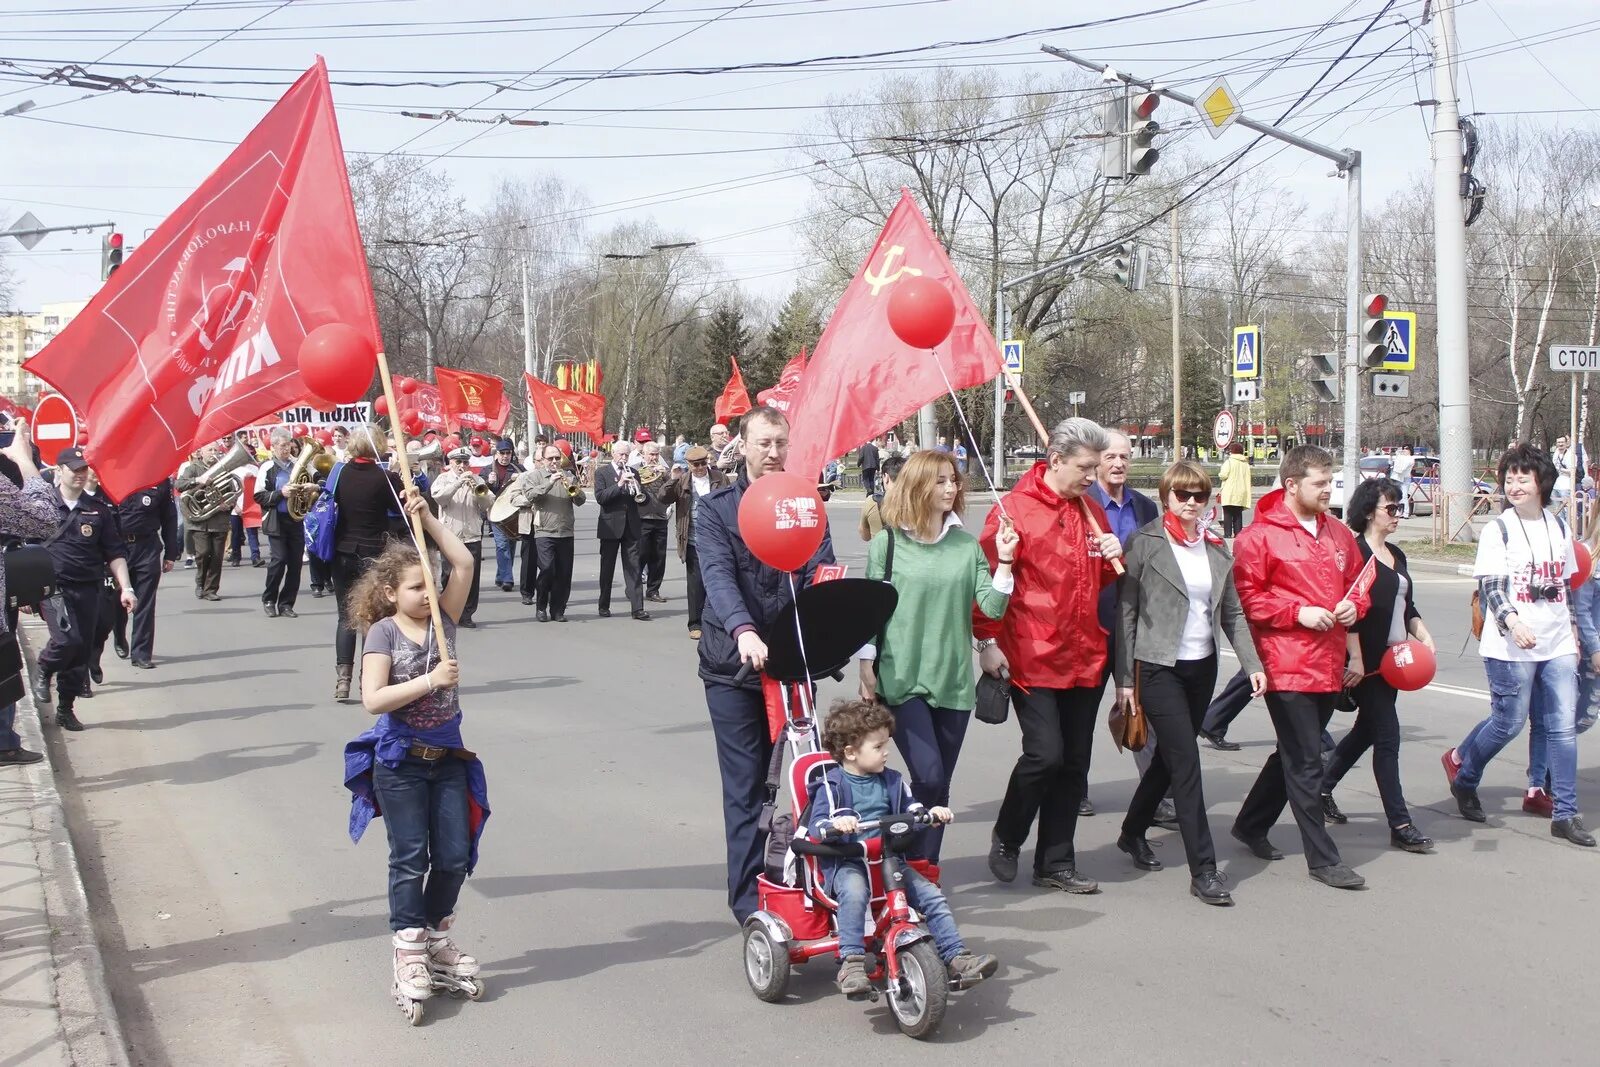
(55, 426)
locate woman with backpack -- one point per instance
(922, 665)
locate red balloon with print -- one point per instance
(782, 520)
(323, 438)
(301, 430)
(1409, 665)
(1585, 563)
(921, 312)
(337, 362)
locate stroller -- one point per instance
(796, 920)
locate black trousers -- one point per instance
(1232, 519)
(1052, 776)
(346, 568)
(697, 587)
(208, 559)
(73, 619)
(744, 746)
(1233, 699)
(111, 615)
(629, 550)
(653, 554)
(869, 480)
(1377, 727)
(1293, 775)
(146, 558)
(473, 549)
(555, 574)
(530, 567)
(321, 573)
(1174, 701)
(283, 570)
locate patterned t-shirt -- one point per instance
(408, 660)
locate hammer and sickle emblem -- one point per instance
(878, 281)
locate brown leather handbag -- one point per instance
(1129, 730)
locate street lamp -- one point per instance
(17, 109)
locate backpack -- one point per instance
(323, 519)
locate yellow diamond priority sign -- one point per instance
(1218, 107)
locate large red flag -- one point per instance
(735, 398)
(199, 332)
(426, 401)
(862, 379)
(569, 411)
(477, 401)
(781, 396)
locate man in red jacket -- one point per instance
(1051, 643)
(1297, 573)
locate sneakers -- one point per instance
(968, 969)
(852, 977)
(1331, 812)
(1212, 888)
(1338, 876)
(1538, 802)
(1410, 839)
(1467, 803)
(1003, 860)
(1067, 879)
(1573, 830)
(1452, 765)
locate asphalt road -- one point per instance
(241, 925)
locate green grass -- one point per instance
(1449, 553)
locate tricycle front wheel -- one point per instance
(918, 999)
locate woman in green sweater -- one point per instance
(922, 665)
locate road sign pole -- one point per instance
(1177, 350)
(999, 389)
(1352, 325)
(1450, 266)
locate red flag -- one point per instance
(568, 411)
(735, 399)
(781, 396)
(1363, 583)
(477, 401)
(426, 401)
(862, 379)
(199, 332)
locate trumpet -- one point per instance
(630, 480)
(301, 490)
(571, 481)
(214, 492)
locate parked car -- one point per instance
(1028, 452)
(1371, 467)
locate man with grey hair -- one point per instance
(286, 537)
(1050, 645)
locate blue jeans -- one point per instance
(1539, 736)
(424, 809)
(851, 888)
(929, 740)
(8, 734)
(505, 554)
(1546, 691)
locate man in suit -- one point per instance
(617, 491)
(286, 536)
(684, 492)
(871, 460)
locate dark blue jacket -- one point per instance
(740, 589)
(831, 797)
(1144, 511)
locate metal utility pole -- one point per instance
(527, 342)
(1177, 341)
(1450, 263)
(999, 384)
(1349, 163)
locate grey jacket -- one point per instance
(1154, 603)
(552, 503)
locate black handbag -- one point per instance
(31, 573)
(13, 671)
(994, 699)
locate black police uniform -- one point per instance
(87, 540)
(148, 519)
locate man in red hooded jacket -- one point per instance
(1051, 643)
(1297, 572)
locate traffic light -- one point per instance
(1128, 266)
(1114, 143)
(1142, 130)
(1325, 378)
(110, 254)
(1374, 330)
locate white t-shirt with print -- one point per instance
(1532, 547)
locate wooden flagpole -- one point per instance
(399, 445)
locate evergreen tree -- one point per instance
(694, 395)
(797, 327)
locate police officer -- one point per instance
(86, 542)
(149, 522)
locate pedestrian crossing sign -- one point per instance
(1399, 341)
(1012, 350)
(1247, 351)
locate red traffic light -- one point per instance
(115, 240)
(1145, 104)
(1376, 305)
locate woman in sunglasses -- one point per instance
(1374, 514)
(1178, 589)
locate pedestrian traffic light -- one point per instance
(1325, 378)
(110, 254)
(1374, 330)
(1114, 141)
(1142, 130)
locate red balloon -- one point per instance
(921, 312)
(407, 386)
(782, 519)
(411, 423)
(1585, 563)
(300, 430)
(337, 362)
(482, 447)
(452, 442)
(380, 406)
(1408, 665)
(564, 446)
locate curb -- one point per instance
(86, 1015)
(1437, 566)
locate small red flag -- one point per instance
(862, 379)
(735, 399)
(199, 332)
(1363, 583)
(569, 411)
(781, 396)
(476, 401)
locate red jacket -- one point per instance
(1051, 631)
(1280, 568)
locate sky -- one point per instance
(709, 155)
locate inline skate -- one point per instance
(450, 969)
(413, 977)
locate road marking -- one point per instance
(1437, 687)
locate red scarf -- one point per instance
(1175, 530)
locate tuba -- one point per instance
(217, 488)
(300, 492)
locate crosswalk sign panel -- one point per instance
(1247, 351)
(1399, 341)
(1013, 356)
